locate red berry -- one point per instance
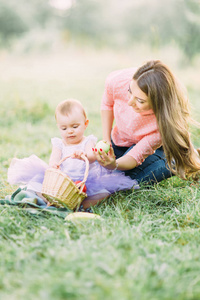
(84, 187)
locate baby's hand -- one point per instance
(55, 166)
(78, 154)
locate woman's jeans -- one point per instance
(154, 168)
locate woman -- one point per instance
(150, 138)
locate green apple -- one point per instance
(105, 146)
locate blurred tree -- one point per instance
(37, 13)
(113, 23)
(189, 40)
(11, 24)
(163, 22)
(17, 17)
(84, 20)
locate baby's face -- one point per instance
(72, 126)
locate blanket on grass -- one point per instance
(32, 207)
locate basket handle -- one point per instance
(81, 184)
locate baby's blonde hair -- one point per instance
(67, 106)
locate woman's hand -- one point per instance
(106, 160)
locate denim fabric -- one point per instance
(153, 169)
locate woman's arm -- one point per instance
(55, 157)
(145, 147)
(107, 117)
(126, 162)
(109, 161)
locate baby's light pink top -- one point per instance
(130, 127)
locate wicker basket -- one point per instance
(60, 190)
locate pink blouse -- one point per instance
(130, 127)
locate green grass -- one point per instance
(146, 246)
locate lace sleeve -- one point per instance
(56, 142)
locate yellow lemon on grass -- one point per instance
(80, 217)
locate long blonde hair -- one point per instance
(171, 108)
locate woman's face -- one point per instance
(138, 100)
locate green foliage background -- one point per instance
(111, 23)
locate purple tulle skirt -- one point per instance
(30, 171)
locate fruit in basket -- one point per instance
(103, 145)
(84, 187)
(80, 217)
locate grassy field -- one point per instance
(147, 244)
